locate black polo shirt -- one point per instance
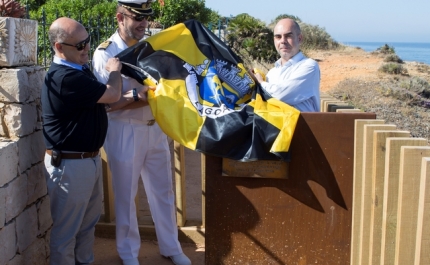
(72, 118)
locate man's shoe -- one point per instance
(133, 261)
(180, 259)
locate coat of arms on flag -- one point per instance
(205, 99)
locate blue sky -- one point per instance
(344, 20)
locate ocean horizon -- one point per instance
(407, 51)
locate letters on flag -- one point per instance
(205, 99)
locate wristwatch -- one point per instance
(135, 97)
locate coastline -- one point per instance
(407, 51)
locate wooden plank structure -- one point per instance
(358, 186)
(377, 187)
(366, 198)
(179, 173)
(109, 214)
(391, 190)
(410, 188)
(303, 219)
(422, 255)
(384, 245)
(327, 102)
(334, 107)
(338, 202)
(348, 110)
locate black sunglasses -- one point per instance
(138, 18)
(80, 45)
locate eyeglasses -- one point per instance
(138, 18)
(80, 45)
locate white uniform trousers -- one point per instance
(135, 149)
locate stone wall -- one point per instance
(25, 218)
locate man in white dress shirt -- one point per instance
(295, 79)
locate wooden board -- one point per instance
(366, 198)
(358, 187)
(378, 174)
(409, 203)
(348, 110)
(255, 169)
(305, 219)
(422, 255)
(391, 191)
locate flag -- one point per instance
(205, 99)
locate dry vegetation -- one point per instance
(355, 76)
(396, 105)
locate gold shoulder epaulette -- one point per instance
(104, 45)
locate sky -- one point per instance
(345, 20)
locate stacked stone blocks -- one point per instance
(25, 219)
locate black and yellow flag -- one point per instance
(205, 99)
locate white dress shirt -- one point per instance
(100, 58)
(296, 83)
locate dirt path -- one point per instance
(351, 62)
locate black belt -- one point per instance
(75, 155)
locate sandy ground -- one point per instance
(349, 63)
(353, 62)
(105, 253)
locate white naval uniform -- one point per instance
(135, 149)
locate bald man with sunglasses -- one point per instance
(74, 129)
(137, 148)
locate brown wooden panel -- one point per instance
(305, 219)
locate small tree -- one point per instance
(95, 15)
(273, 23)
(316, 37)
(78, 9)
(250, 37)
(178, 11)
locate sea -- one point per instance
(407, 51)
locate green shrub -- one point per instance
(273, 23)
(393, 58)
(178, 11)
(385, 49)
(81, 10)
(249, 37)
(98, 16)
(316, 38)
(417, 85)
(393, 68)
